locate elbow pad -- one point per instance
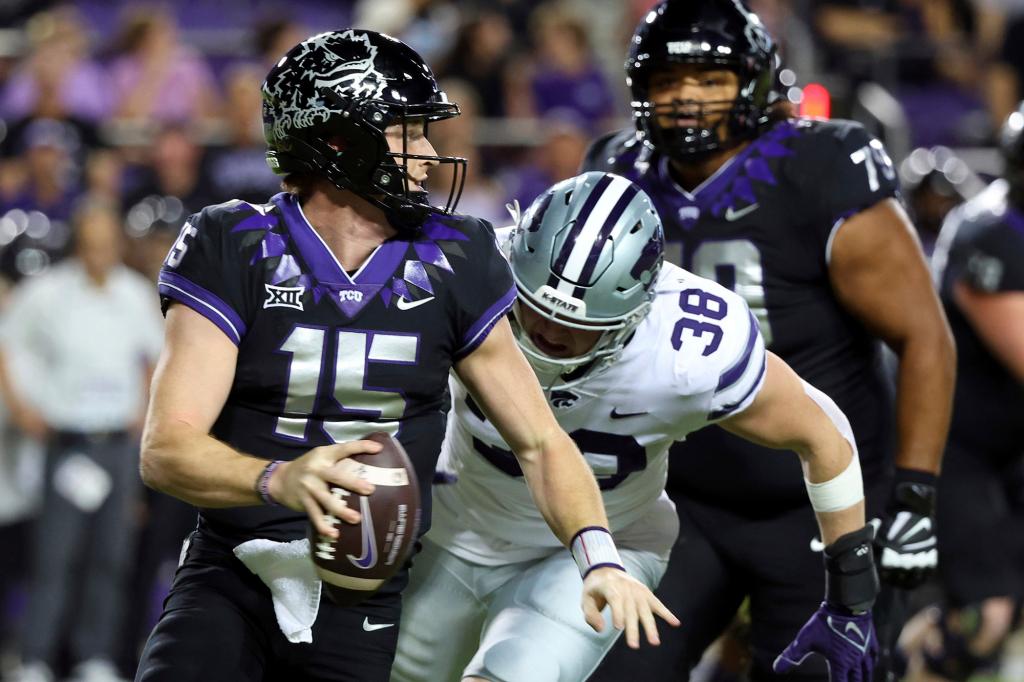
(850, 578)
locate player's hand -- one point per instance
(905, 543)
(303, 484)
(633, 605)
(846, 640)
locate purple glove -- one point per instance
(847, 642)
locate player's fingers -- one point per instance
(592, 613)
(323, 523)
(631, 618)
(659, 609)
(335, 503)
(354, 447)
(649, 624)
(349, 476)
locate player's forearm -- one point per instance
(830, 459)
(563, 487)
(181, 461)
(924, 401)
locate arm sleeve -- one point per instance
(844, 170)
(204, 271)
(992, 262)
(484, 292)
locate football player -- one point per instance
(979, 265)
(634, 355)
(298, 326)
(802, 219)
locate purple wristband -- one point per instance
(263, 484)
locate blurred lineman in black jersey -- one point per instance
(295, 328)
(979, 267)
(801, 218)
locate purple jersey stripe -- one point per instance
(203, 302)
(606, 231)
(478, 332)
(581, 219)
(733, 374)
(729, 409)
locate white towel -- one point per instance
(287, 569)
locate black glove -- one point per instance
(905, 543)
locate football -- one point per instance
(367, 554)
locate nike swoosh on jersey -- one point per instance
(732, 215)
(370, 627)
(408, 305)
(623, 415)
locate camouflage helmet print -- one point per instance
(327, 104)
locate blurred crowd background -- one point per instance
(145, 113)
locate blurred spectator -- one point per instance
(104, 176)
(94, 329)
(921, 50)
(155, 77)
(35, 210)
(239, 170)
(428, 26)
(480, 55)
(481, 195)
(565, 75)
(175, 171)
(272, 38)
(558, 156)
(934, 181)
(56, 79)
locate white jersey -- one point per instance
(697, 357)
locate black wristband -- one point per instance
(851, 582)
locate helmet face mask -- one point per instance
(327, 106)
(585, 255)
(712, 34)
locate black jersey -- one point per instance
(324, 356)
(982, 246)
(762, 225)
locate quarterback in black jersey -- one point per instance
(979, 265)
(801, 218)
(297, 327)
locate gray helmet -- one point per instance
(586, 254)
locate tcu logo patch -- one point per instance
(350, 295)
(284, 297)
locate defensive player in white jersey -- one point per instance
(634, 354)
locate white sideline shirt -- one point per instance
(78, 351)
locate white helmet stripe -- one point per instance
(592, 228)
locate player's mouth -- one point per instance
(555, 350)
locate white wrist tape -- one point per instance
(593, 547)
(842, 492)
(846, 489)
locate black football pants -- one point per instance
(218, 624)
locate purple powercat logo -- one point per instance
(369, 557)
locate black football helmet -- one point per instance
(1011, 144)
(721, 33)
(327, 103)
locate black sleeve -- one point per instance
(204, 271)
(993, 260)
(484, 291)
(843, 170)
(598, 154)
